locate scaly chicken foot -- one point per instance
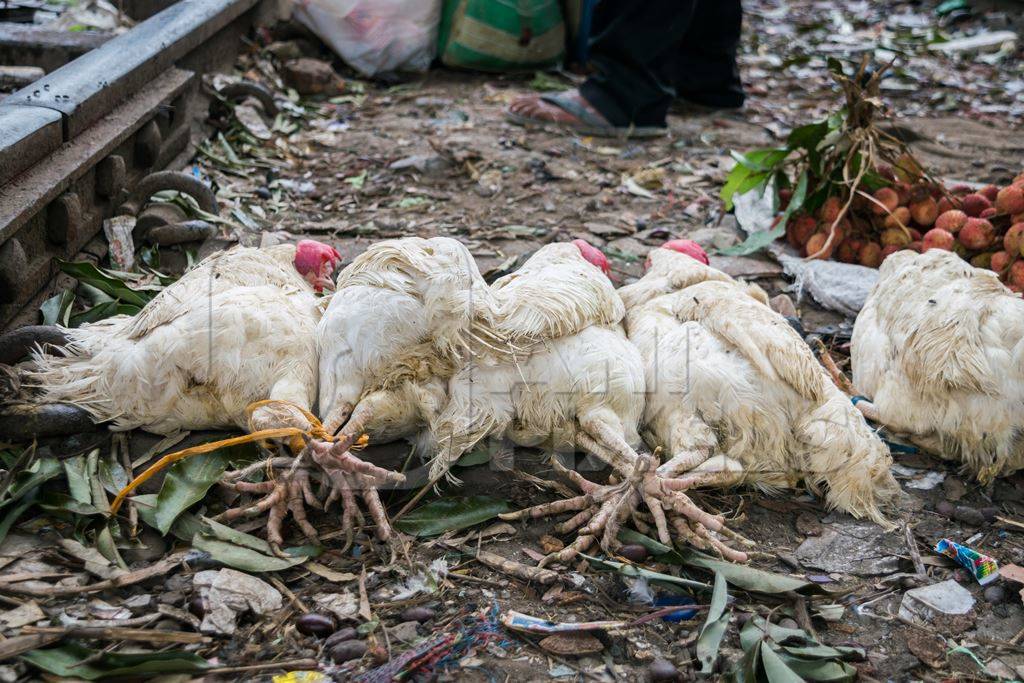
(601, 511)
(288, 489)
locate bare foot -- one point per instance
(533, 107)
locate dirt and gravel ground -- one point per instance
(434, 156)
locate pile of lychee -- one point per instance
(985, 227)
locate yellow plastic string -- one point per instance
(294, 434)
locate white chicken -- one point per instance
(939, 350)
(735, 395)
(566, 378)
(396, 329)
(237, 329)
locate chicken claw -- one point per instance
(289, 491)
(601, 511)
(348, 474)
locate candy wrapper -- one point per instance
(982, 567)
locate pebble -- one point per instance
(945, 508)
(314, 624)
(340, 636)
(263, 192)
(350, 649)
(663, 670)
(420, 614)
(788, 623)
(634, 552)
(968, 516)
(995, 594)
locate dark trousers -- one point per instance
(647, 52)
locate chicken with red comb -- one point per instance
(232, 343)
(735, 394)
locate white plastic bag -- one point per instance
(376, 36)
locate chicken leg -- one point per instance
(601, 510)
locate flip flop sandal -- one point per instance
(589, 123)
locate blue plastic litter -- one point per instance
(678, 615)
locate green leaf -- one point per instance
(737, 176)
(108, 547)
(775, 670)
(808, 137)
(749, 578)
(711, 634)
(761, 160)
(451, 514)
(240, 550)
(627, 535)
(639, 572)
(55, 501)
(12, 515)
(78, 479)
(760, 240)
(102, 311)
(757, 628)
(185, 527)
(820, 671)
(89, 274)
(186, 484)
(57, 308)
(76, 661)
(26, 481)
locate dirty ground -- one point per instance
(434, 156)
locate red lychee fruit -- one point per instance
(829, 211)
(870, 255)
(989, 213)
(816, 243)
(889, 250)
(848, 250)
(1017, 218)
(974, 204)
(915, 235)
(915, 246)
(889, 200)
(989, 192)
(800, 230)
(918, 193)
(894, 236)
(1013, 238)
(1000, 260)
(885, 170)
(937, 238)
(951, 221)
(785, 195)
(900, 216)
(903, 192)
(1011, 199)
(977, 234)
(924, 212)
(1015, 276)
(948, 204)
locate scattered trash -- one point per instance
(860, 548)
(982, 567)
(927, 602)
(524, 622)
(118, 231)
(230, 594)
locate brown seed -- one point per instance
(633, 552)
(663, 671)
(198, 606)
(340, 636)
(420, 614)
(314, 624)
(350, 649)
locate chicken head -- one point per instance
(316, 262)
(593, 255)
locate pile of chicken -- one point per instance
(414, 344)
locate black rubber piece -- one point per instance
(17, 344)
(24, 423)
(241, 89)
(169, 180)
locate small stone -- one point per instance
(789, 623)
(945, 508)
(311, 77)
(929, 602)
(340, 636)
(633, 552)
(350, 649)
(661, 670)
(419, 614)
(968, 515)
(808, 524)
(571, 644)
(405, 632)
(314, 624)
(995, 594)
(284, 49)
(263, 192)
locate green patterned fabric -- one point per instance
(501, 35)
